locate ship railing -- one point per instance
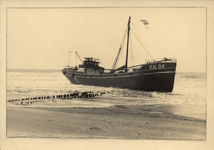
(69, 67)
(135, 67)
(130, 69)
(109, 71)
(160, 60)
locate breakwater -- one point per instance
(67, 96)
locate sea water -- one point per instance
(189, 88)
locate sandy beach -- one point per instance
(68, 119)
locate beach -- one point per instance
(118, 114)
(70, 119)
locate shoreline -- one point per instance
(159, 122)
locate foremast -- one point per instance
(127, 44)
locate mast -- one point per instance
(69, 57)
(127, 44)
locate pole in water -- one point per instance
(69, 57)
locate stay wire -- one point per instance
(131, 47)
(142, 45)
(110, 46)
(114, 65)
(149, 39)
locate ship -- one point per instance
(153, 75)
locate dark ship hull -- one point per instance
(149, 77)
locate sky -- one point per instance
(42, 38)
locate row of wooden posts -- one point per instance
(63, 96)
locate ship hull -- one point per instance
(150, 77)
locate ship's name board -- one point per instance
(157, 66)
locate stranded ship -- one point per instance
(154, 75)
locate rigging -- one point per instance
(119, 52)
(142, 45)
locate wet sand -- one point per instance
(157, 122)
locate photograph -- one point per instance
(106, 73)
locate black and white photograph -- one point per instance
(136, 73)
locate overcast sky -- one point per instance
(42, 38)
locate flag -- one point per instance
(145, 22)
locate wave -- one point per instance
(192, 76)
(33, 70)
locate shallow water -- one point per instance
(189, 88)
